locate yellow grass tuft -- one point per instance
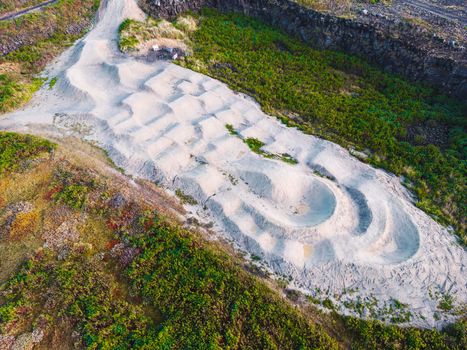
(186, 23)
(25, 224)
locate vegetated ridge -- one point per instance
(392, 42)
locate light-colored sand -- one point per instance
(165, 123)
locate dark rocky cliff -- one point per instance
(171, 8)
(396, 46)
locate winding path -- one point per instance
(27, 10)
(437, 10)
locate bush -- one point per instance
(207, 301)
(369, 335)
(16, 150)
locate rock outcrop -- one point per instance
(395, 46)
(172, 8)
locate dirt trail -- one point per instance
(27, 10)
(437, 10)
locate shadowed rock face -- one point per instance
(394, 46)
(172, 8)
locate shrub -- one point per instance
(14, 93)
(185, 198)
(207, 301)
(16, 150)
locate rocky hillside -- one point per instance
(398, 46)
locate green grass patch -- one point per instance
(16, 150)
(72, 187)
(287, 158)
(446, 303)
(128, 40)
(52, 83)
(185, 198)
(14, 93)
(125, 25)
(255, 145)
(231, 129)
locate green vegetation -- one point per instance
(79, 291)
(392, 311)
(7, 6)
(73, 195)
(196, 288)
(16, 150)
(231, 129)
(285, 157)
(15, 93)
(446, 303)
(207, 302)
(185, 198)
(45, 35)
(134, 35)
(407, 129)
(128, 41)
(373, 335)
(52, 83)
(255, 145)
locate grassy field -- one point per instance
(48, 33)
(406, 128)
